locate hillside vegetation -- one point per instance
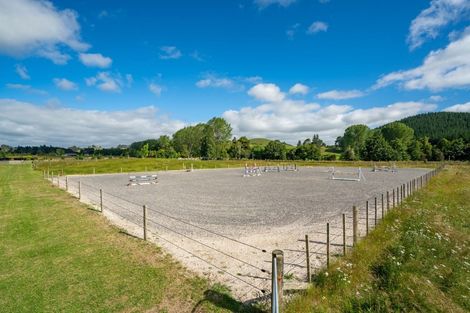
(416, 260)
(439, 125)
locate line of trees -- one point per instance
(397, 142)
(213, 140)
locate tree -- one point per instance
(426, 148)
(398, 131)
(187, 141)
(376, 148)
(354, 138)
(275, 150)
(415, 151)
(144, 151)
(208, 145)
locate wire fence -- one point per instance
(332, 237)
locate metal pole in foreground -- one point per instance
(278, 279)
(307, 250)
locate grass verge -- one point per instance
(416, 260)
(100, 166)
(58, 256)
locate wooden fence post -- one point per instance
(307, 250)
(388, 200)
(327, 245)
(375, 211)
(354, 225)
(393, 198)
(367, 217)
(278, 257)
(344, 234)
(79, 190)
(144, 221)
(382, 207)
(101, 200)
(66, 183)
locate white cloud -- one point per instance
(436, 98)
(291, 120)
(156, 89)
(459, 108)
(441, 69)
(317, 27)
(29, 27)
(26, 88)
(95, 60)
(299, 89)
(430, 21)
(24, 123)
(65, 84)
(237, 83)
(266, 3)
(106, 81)
(267, 92)
(340, 94)
(22, 71)
(170, 52)
(292, 31)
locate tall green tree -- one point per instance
(376, 148)
(275, 150)
(354, 138)
(187, 141)
(398, 131)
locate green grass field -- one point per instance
(73, 166)
(56, 255)
(416, 260)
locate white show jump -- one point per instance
(392, 168)
(347, 176)
(138, 180)
(251, 171)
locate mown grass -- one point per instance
(416, 260)
(58, 256)
(73, 166)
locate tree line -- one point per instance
(213, 140)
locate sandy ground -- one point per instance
(189, 211)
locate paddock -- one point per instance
(272, 211)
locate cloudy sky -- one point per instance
(76, 72)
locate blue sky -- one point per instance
(119, 71)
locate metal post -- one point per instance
(278, 279)
(354, 225)
(144, 221)
(327, 245)
(344, 234)
(307, 250)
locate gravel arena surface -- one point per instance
(225, 219)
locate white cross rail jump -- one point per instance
(138, 180)
(347, 176)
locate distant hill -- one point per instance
(439, 125)
(259, 142)
(262, 142)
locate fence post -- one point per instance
(344, 234)
(388, 200)
(327, 245)
(367, 217)
(398, 197)
(278, 279)
(144, 221)
(307, 250)
(101, 200)
(79, 190)
(382, 206)
(393, 198)
(354, 225)
(375, 211)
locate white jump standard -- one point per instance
(252, 171)
(138, 180)
(352, 176)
